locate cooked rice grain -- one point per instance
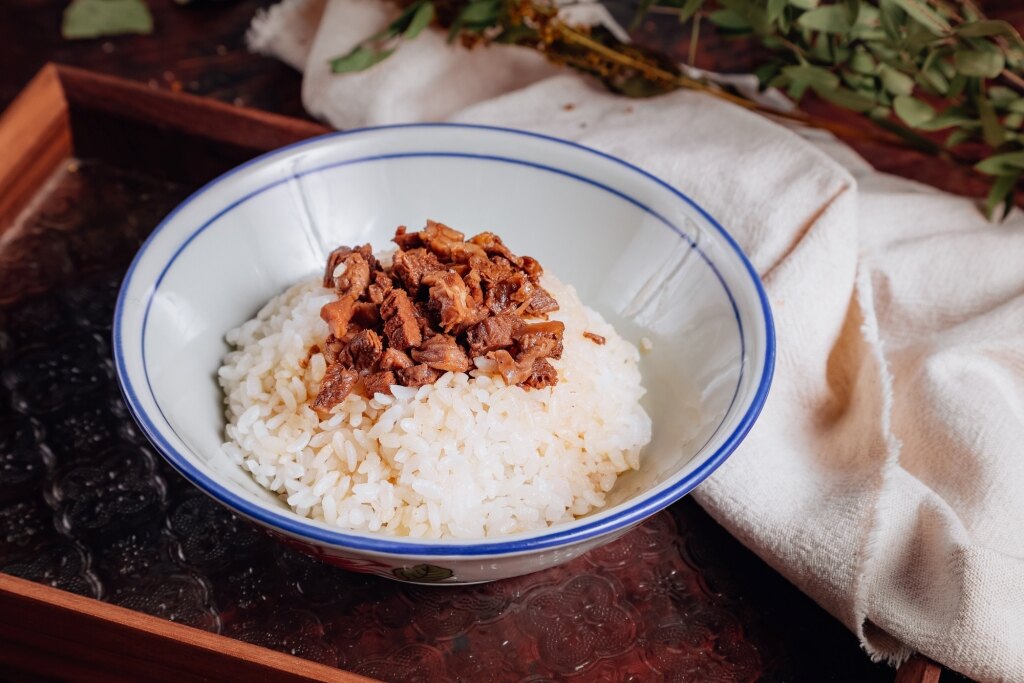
(465, 457)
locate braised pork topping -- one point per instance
(444, 301)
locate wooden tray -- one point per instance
(89, 165)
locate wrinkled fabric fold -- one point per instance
(885, 475)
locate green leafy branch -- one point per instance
(935, 75)
(378, 47)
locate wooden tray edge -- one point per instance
(50, 632)
(36, 133)
(35, 136)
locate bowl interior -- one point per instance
(636, 251)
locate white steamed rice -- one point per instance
(465, 457)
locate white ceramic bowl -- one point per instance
(639, 251)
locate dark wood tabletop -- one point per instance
(200, 49)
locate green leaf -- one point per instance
(985, 64)
(775, 9)
(477, 14)
(892, 19)
(896, 82)
(952, 116)
(991, 130)
(402, 21)
(934, 79)
(821, 49)
(958, 136)
(925, 15)
(1001, 164)
(868, 17)
(1001, 194)
(95, 18)
(1001, 96)
(948, 70)
(729, 19)
(912, 111)
(1013, 121)
(880, 113)
(688, 9)
(828, 19)
(359, 59)
(766, 72)
(480, 11)
(512, 35)
(987, 27)
(804, 4)
(796, 90)
(857, 81)
(863, 63)
(956, 86)
(846, 98)
(912, 139)
(420, 20)
(811, 76)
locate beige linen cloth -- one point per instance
(885, 477)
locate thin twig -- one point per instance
(691, 56)
(680, 80)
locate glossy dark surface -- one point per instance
(86, 506)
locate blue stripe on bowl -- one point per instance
(306, 529)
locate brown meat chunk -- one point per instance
(462, 252)
(541, 302)
(514, 292)
(366, 315)
(532, 269)
(335, 386)
(492, 270)
(596, 338)
(493, 246)
(382, 284)
(472, 280)
(499, 297)
(442, 301)
(442, 240)
(542, 374)
(333, 349)
(337, 315)
(418, 375)
(422, 312)
(405, 239)
(449, 299)
(545, 326)
(356, 276)
(412, 265)
(493, 333)
(379, 383)
(334, 259)
(365, 350)
(540, 340)
(442, 352)
(400, 325)
(511, 371)
(393, 359)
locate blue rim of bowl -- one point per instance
(307, 530)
